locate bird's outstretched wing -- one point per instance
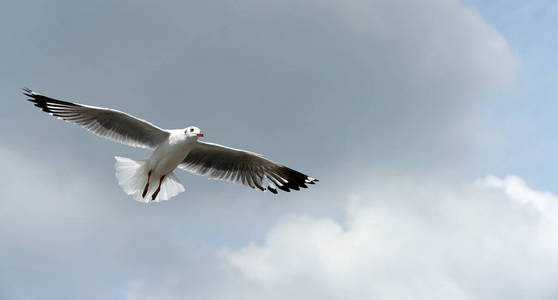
(108, 123)
(220, 162)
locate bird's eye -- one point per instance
(191, 129)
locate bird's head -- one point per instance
(192, 131)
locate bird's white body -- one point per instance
(169, 154)
(154, 176)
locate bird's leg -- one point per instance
(146, 185)
(158, 188)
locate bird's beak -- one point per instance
(200, 134)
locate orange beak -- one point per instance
(199, 134)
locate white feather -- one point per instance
(132, 177)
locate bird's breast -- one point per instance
(167, 157)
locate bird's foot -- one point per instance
(158, 189)
(146, 185)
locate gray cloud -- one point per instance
(392, 81)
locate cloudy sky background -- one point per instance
(429, 123)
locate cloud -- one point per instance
(349, 86)
(401, 238)
(488, 240)
(392, 82)
(545, 204)
(396, 78)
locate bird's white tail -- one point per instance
(132, 177)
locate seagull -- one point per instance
(172, 148)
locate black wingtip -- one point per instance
(272, 189)
(27, 92)
(310, 180)
(43, 102)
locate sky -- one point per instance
(429, 123)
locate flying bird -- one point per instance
(153, 179)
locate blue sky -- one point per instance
(429, 124)
(525, 119)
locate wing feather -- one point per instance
(247, 168)
(105, 122)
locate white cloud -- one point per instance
(484, 241)
(517, 190)
(401, 239)
(545, 204)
